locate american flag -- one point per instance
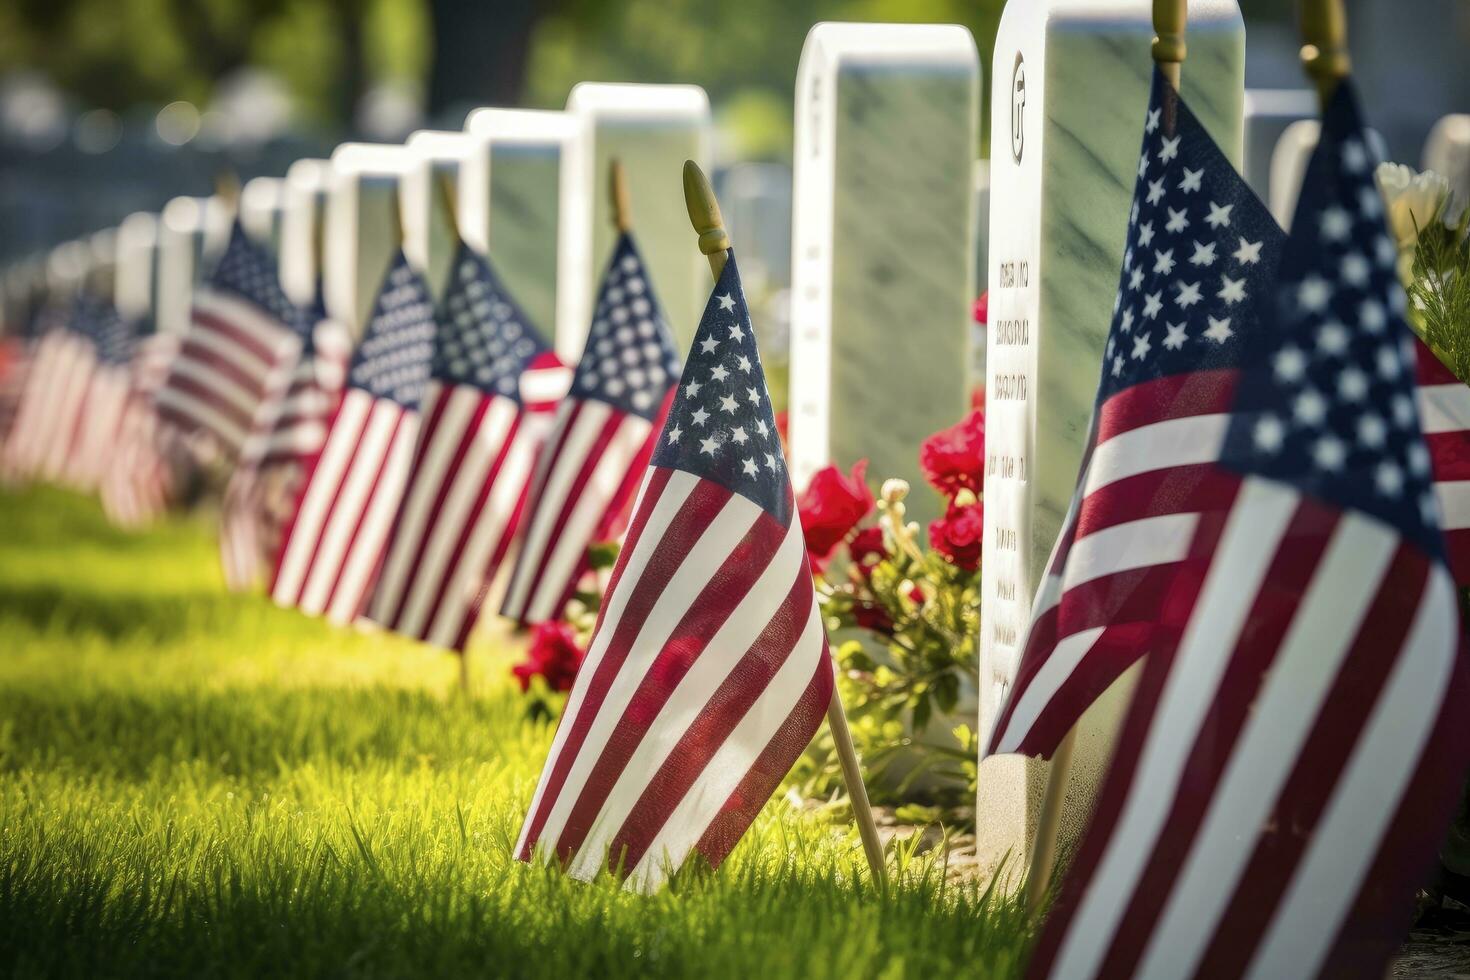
(15, 361)
(40, 442)
(604, 435)
(1298, 736)
(335, 541)
(104, 396)
(473, 463)
(243, 342)
(1444, 408)
(708, 672)
(141, 476)
(261, 494)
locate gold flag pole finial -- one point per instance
(622, 202)
(1324, 44)
(1169, 48)
(704, 215)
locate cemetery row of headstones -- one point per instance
(897, 225)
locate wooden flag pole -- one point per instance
(1324, 45)
(714, 242)
(1168, 54)
(622, 201)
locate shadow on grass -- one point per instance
(114, 615)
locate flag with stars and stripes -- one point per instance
(236, 358)
(708, 671)
(40, 441)
(262, 491)
(104, 396)
(473, 463)
(145, 468)
(334, 543)
(1298, 739)
(1444, 408)
(604, 435)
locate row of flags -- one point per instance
(1260, 519)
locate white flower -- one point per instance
(1413, 199)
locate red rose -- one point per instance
(867, 550)
(981, 310)
(831, 507)
(554, 654)
(872, 617)
(958, 535)
(953, 459)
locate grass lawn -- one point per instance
(193, 783)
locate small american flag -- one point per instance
(1298, 736)
(40, 443)
(708, 671)
(604, 435)
(473, 463)
(140, 478)
(1444, 408)
(104, 396)
(243, 342)
(15, 362)
(335, 541)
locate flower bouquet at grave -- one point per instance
(907, 618)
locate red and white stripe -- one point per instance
(335, 542)
(138, 483)
(706, 677)
(584, 483)
(50, 407)
(1264, 816)
(15, 363)
(99, 421)
(234, 365)
(300, 426)
(459, 516)
(1150, 502)
(1444, 411)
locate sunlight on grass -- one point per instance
(193, 783)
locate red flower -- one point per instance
(981, 310)
(958, 535)
(831, 507)
(554, 655)
(867, 550)
(953, 459)
(872, 617)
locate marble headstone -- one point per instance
(510, 203)
(1289, 165)
(652, 129)
(303, 217)
(1268, 111)
(430, 187)
(1447, 152)
(887, 133)
(135, 290)
(191, 232)
(363, 227)
(975, 378)
(262, 210)
(1070, 85)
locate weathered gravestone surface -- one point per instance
(135, 289)
(887, 133)
(430, 186)
(975, 378)
(302, 227)
(262, 209)
(652, 129)
(1268, 112)
(1447, 152)
(1289, 165)
(510, 205)
(1070, 84)
(363, 227)
(193, 230)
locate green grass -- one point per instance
(193, 783)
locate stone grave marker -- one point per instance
(1070, 84)
(262, 209)
(652, 129)
(1289, 165)
(191, 232)
(1447, 152)
(303, 216)
(887, 133)
(1268, 111)
(430, 239)
(510, 204)
(363, 227)
(135, 291)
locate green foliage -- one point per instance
(1439, 290)
(199, 784)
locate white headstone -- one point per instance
(67, 267)
(975, 379)
(887, 132)
(136, 289)
(510, 204)
(1268, 111)
(363, 227)
(430, 186)
(1289, 165)
(1447, 152)
(1070, 85)
(302, 228)
(192, 231)
(652, 129)
(262, 208)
